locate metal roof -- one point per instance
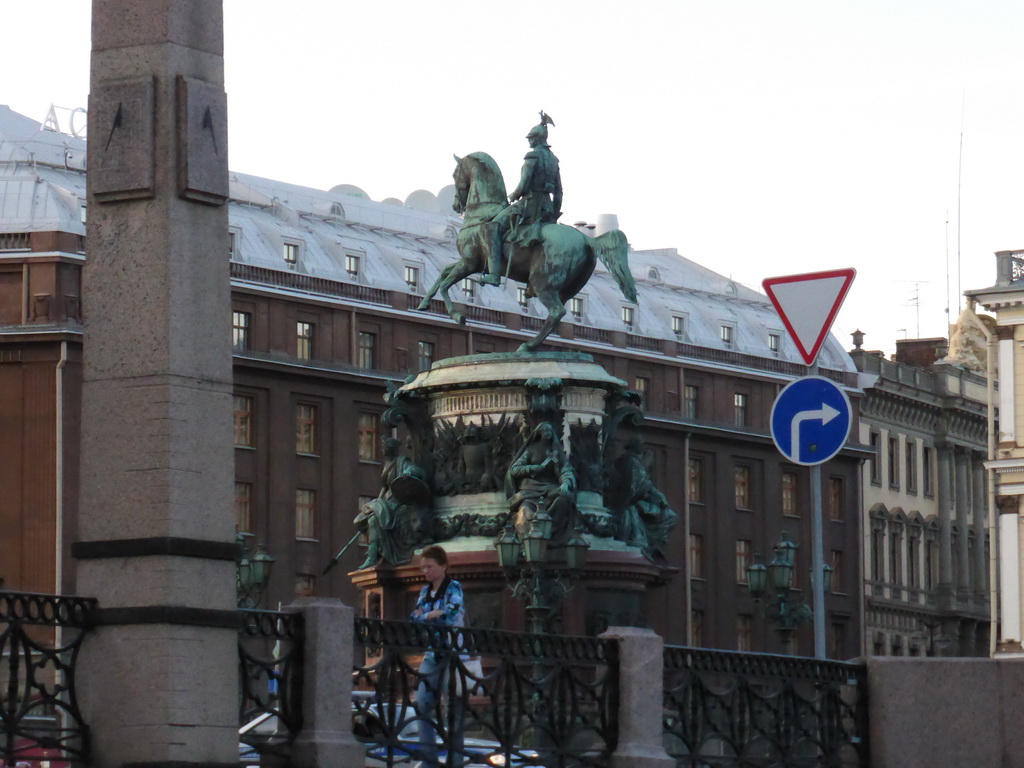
(42, 188)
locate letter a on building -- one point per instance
(808, 304)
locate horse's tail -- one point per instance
(613, 251)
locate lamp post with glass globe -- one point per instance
(541, 583)
(252, 572)
(774, 582)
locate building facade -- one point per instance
(324, 289)
(1005, 300)
(926, 540)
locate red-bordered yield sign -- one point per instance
(808, 304)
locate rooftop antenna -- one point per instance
(959, 178)
(947, 267)
(915, 301)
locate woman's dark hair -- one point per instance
(435, 553)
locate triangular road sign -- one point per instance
(808, 304)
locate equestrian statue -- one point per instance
(519, 236)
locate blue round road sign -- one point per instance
(811, 420)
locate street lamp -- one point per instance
(539, 582)
(775, 582)
(252, 572)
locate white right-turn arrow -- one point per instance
(825, 414)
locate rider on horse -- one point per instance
(536, 201)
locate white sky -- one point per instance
(759, 138)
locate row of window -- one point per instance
(305, 510)
(696, 562)
(692, 406)
(305, 343)
(743, 490)
(412, 276)
(306, 429)
(908, 555)
(887, 453)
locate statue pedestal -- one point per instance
(467, 419)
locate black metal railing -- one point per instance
(270, 663)
(495, 697)
(723, 708)
(40, 637)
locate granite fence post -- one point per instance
(326, 739)
(641, 672)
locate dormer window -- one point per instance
(678, 325)
(412, 277)
(352, 264)
(576, 307)
(521, 297)
(232, 244)
(468, 287)
(291, 254)
(727, 332)
(775, 342)
(337, 210)
(652, 274)
(628, 315)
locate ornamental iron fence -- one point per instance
(40, 637)
(483, 696)
(270, 670)
(725, 708)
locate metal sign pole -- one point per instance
(817, 554)
(818, 564)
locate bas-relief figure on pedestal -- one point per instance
(645, 519)
(521, 239)
(541, 483)
(398, 520)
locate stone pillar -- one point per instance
(1009, 640)
(963, 518)
(159, 677)
(979, 506)
(641, 672)
(945, 585)
(326, 739)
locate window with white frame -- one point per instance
(412, 277)
(774, 342)
(352, 264)
(468, 287)
(291, 254)
(304, 340)
(576, 307)
(726, 333)
(628, 315)
(678, 325)
(521, 297)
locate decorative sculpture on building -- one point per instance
(397, 521)
(523, 240)
(967, 344)
(645, 519)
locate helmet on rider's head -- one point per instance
(540, 131)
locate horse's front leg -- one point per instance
(425, 304)
(549, 297)
(448, 277)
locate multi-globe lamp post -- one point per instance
(252, 572)
(774, 583)
(541, 583)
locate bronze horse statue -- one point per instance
(554, 270)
